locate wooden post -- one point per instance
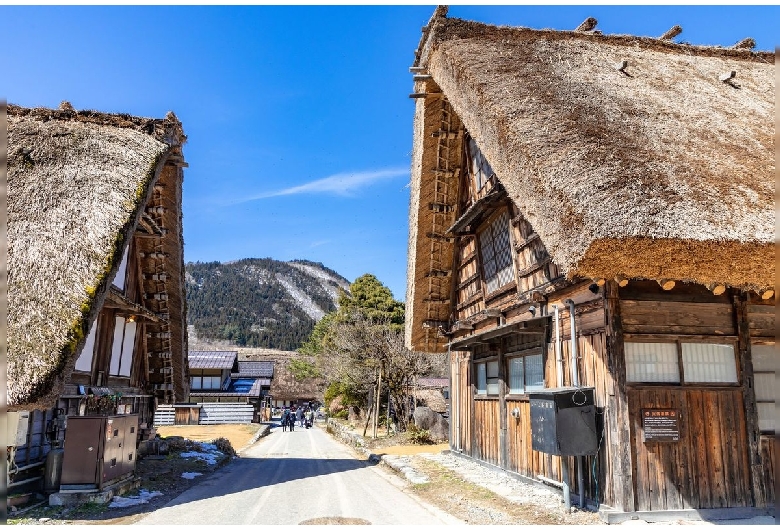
(759, 493)
(617, 419)
(472, 377)
(503, 449)
(378, 397)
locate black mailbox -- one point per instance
(563, 421)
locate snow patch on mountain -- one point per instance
(320, 274)
(304, 301)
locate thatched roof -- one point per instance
(659, 170)
(77, 184)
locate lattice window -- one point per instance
(496, 247)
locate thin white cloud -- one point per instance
(343, 184)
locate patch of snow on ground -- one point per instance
(133, 500)
(208, 453)
(307, 304)
(190, 476)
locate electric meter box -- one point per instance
(563, 421)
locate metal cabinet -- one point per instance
(98, 450)
(563, 421)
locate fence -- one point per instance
(210, 414)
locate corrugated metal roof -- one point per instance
(200, 360)
(255, 369)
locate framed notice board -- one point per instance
(661, 425)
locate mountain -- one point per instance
(261, 303)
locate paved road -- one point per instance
(296, 477)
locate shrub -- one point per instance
(224, 446)
(419, 436)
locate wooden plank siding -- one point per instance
(768, 445)
(761, 320)
(708, 467)
(658, 317)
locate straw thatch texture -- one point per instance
(77, 182)
(661, 171)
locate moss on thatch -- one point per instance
(77, 182)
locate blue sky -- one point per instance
(298, 117)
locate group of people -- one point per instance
(303, 416)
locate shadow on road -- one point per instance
(245, 474)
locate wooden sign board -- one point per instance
(661, 425)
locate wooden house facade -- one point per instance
(597, 211)
(95, 268)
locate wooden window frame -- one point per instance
(536, 350)
(485, 361)
(678, 340)
(484, 227)
(764, 342)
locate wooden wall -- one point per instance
(708, 467)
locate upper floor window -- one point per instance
(119, 280)
(478, 165)
(496, 250)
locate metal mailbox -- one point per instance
(563, 421)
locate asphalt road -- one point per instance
(304, 476)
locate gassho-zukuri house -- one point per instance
(592, 239)
(96, 305)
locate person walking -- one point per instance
(285, 419)
(299, 416)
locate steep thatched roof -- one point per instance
(658, 170)
(77, 184)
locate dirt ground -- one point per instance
(163, 474)
(239, 435)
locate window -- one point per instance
(122, 347)
(496, 249)
(478, 165)
(526, 373)
(119, 280)
(765, 366)
(680, 362)
(207, 382)
(487, 378)
(84, 362)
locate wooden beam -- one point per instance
(758, 488)
(671, 33)
(587, 25)
(422, 77)
(616, 415)
(435, 273)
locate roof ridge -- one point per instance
(442, 29)
(168, 129)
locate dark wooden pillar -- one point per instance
(503, 442)
(472, 378)
(617, 420)
(758, 487)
